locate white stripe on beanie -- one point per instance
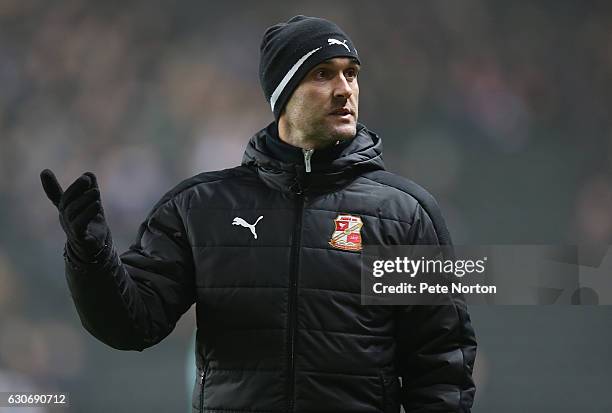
(281, 86)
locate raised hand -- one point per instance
(80, 213)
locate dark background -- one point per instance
(500, 109)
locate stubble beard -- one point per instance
(328, 133)
(319, 131)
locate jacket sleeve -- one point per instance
(436, 346)
(133, 301)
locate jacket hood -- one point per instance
(282, 166)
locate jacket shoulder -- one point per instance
(184, 187)
(405, 185)
(419, 194)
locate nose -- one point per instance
(342, 88)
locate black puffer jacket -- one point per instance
(280, 327)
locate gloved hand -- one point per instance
(81, 216)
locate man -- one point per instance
(270, 253)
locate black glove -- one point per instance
(81, 216)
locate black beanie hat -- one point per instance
(289, 50)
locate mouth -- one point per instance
(342, 112)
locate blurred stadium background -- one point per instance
(500, 109)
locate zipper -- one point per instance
(298, 189)
(293, 287)
(202, 378)
(384, 390)
(307, 156)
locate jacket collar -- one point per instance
(283, 166)
(282, 151)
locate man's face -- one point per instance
(324, 106)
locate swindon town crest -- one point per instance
(347, 233)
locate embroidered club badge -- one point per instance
(347, 233)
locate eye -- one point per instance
(351, 74)
(320, 74)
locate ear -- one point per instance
(283, 126)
